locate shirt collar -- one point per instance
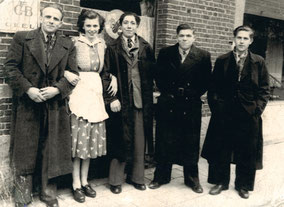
(45, 35)
(84, 39)
(133, 38)
(181, 51)
(240, 56)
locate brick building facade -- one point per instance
(214, 21)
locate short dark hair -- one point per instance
(89, 14)
(244, 28)
(185, 26)
(137, 18)
(55, 6)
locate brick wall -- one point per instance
(212, 19)
(266, 8)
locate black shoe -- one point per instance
(89, 191)
(79, 195)
(52, 203)
(196, 187)
(154, 185)
(217, 189)
(243, 193)
(116, 189)
(136, 185)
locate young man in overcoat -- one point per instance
(130, 59)
(41, 143)
(182, 76)
(237, 96)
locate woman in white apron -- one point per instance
(86, 103)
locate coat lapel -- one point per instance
(192, 57)
(35, 44)
(246, 68)
(57, 53)
(253, 67)
(227, 62)
(175, 57)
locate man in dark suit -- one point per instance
(182, 76)
(130, 59)
(41, 143)
(238, 94)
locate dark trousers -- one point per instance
(220, 174)
(163, 173)
(24, 183)
(116, 171)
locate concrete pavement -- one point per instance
(269, 189)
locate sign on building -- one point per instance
(18, 15)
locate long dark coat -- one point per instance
(120, 125)
(26, 67)
(253, 95)
(179, 106)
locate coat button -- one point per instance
(184, 113)
(188, 84)
(186, 98)
(171, 111)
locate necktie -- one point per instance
(49, 37)
(239, 67)
(129, 43)
(184, 52)
(48, 47)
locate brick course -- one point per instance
(212, 19)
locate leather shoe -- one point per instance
(79, 195)
(243, 193)
(136, 185)
(196, 187)
(217, 189)
(116, 189)
(52, 203)
(154, 185)
(89, 191)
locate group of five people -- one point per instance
(110, 110)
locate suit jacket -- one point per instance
(252, 92)
(26, 67)
(120, 128)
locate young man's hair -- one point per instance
(137, 18)
(185, 26)
(244, 28)
(89, 14)
(55, 6)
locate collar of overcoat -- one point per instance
(36, 47)
(142, 45)
(250, 61)
(192, 57)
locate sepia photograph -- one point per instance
(141, 103)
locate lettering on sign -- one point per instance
(19, 15)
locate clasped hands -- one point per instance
(43, 94)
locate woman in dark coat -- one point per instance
(130, 59)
